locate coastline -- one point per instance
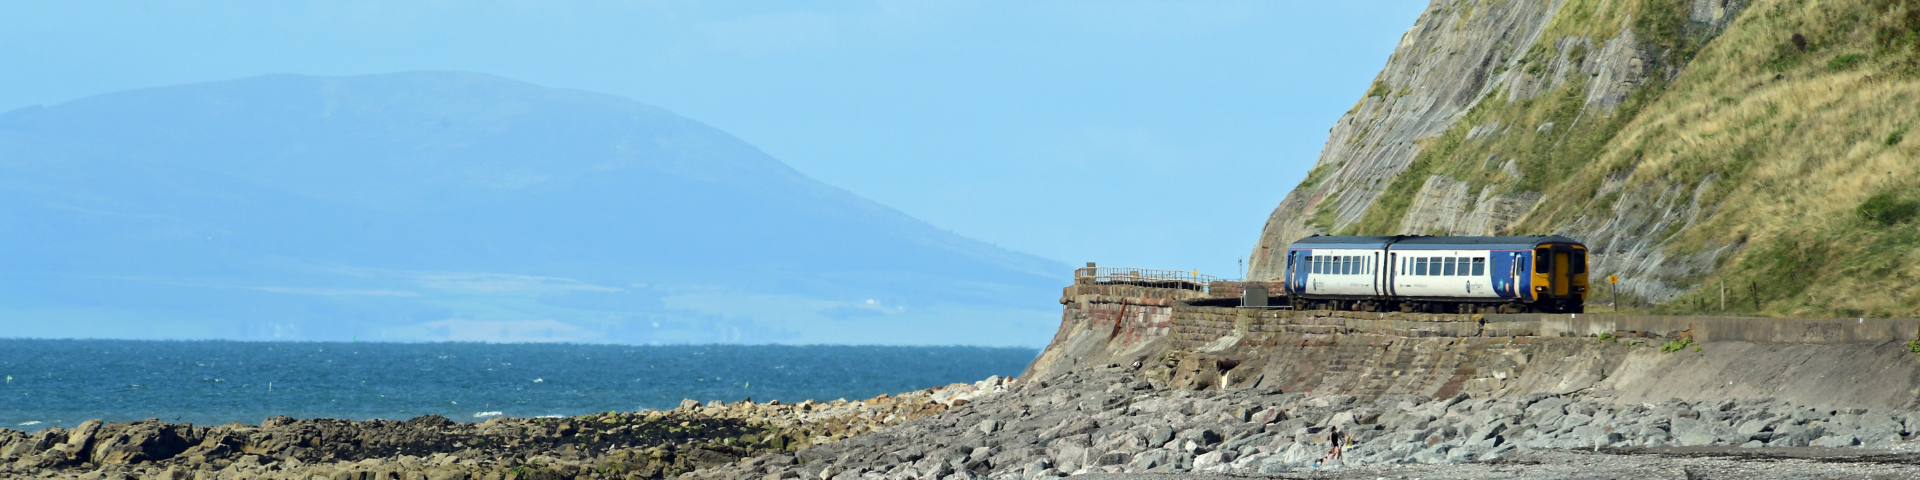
(639, 445)
(1104, 421)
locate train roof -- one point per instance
(1423, 242)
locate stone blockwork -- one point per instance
(1841, 363)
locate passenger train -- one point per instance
(1438, 274)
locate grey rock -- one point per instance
(989, 426)
(1797, 436)
(1836, 441)
(1159, 436)
(1755, 426)
(1212, 459)
(1203, 436)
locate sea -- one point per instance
(65, 382)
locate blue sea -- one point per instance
(65, 382)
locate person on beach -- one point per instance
(1333, 437)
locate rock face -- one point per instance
(1443, 66)
(1395, 163)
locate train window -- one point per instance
(1479, 266)
(1446, 269)
(1420, 266)
(1579, 262)
(1313, 264)
(1346, 265)
(1542, 260)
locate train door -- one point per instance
(1389, 274)
(1522, 279)
(1302, 267)
(1543, 273)
(1562, 263)
(1500, 272)
(1286, 276)
(1373, 271)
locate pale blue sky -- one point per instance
(1142, 133)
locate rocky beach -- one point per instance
(1100, 421)
(1113, 420)
(650, 444)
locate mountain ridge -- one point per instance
(461, 172)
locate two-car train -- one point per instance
(1438, 274)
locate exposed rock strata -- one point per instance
(1459, 55)
(1444, 65)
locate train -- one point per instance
(1437, 274)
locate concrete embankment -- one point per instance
(1833, 363)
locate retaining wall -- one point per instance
(1838, 362)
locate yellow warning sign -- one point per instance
(1613, 279)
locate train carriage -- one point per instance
(1438, 274)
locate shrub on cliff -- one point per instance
(1889, 207)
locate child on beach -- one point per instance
(1334, 437)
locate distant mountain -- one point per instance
(459, 206)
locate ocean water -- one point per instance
(65, 382)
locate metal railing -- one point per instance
(1143, 277)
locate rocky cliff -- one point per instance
(1752, 146)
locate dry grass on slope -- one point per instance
(1778, 143)
(1794, 140)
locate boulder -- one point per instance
(1159, 436)
(1842, 440)
(144, 441)
(1212, 459)
(989, 426)
(1797, 435)
(1111, 458)
(1201, 435)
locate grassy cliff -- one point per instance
(1758, 147)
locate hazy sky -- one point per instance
(1139, 133)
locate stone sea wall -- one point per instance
(1840, 363)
